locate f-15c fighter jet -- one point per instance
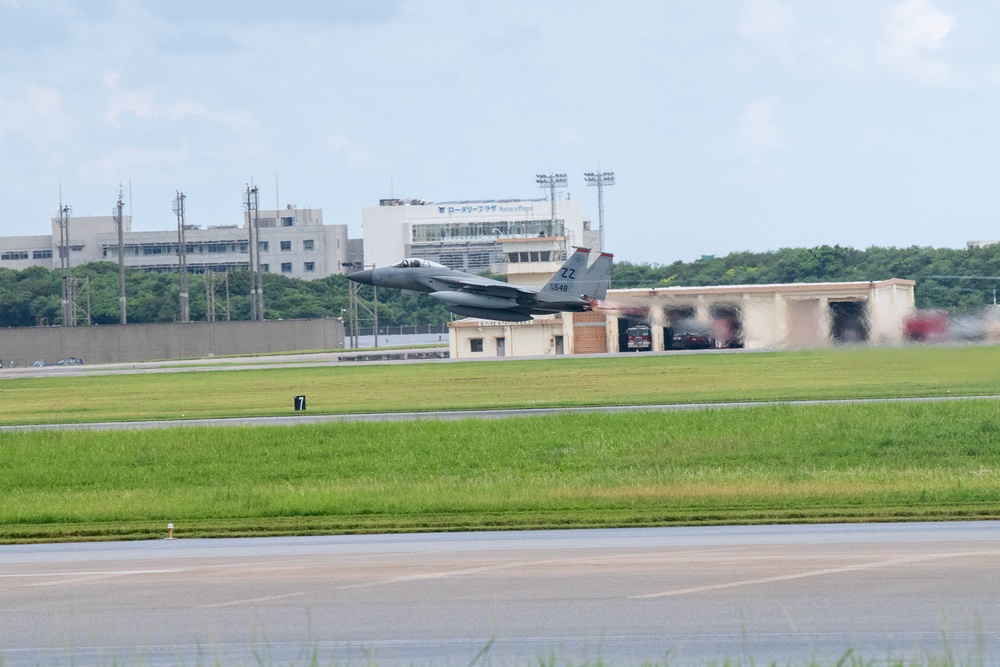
(574, 288)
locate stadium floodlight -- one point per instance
(551, 181)
(600, 179)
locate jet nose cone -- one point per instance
(361, 276)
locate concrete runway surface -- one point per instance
(683, 596)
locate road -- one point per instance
(450, 415)
(683, 596)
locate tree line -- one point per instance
(956, 280)
(33, 297)
(953, 279)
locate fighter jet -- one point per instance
(574, 287)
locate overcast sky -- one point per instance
(730, 125)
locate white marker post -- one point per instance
(170, 531)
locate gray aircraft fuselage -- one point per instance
(574, 287)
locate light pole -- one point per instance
(600, 179)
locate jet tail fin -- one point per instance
(567, 279)
(598, 277)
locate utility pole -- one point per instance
(68, 291)
(600, 179)
(375, 314)
(119, 222)
(212, 283)
(185, 314)
(260, 274)
(209, 296)
(551, 181)
(250, 202)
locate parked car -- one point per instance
(40, 362)
(70, 361)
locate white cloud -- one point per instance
(344, 147)
(38, 115)
(111, 167)
(915, 29)
(144, 104)
(766, 23)
(759, 131)
(238, 122)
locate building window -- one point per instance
(286, 267)
(310, 267)
(47, 254)
(286, 245)
(266, 268)
(475, 344)
(288, 222)
(15, 255)
(263, 246)
(308, 244)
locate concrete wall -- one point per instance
(521, 339)
(144, 342)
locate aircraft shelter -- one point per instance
(793, 315)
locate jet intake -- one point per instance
(471, 300)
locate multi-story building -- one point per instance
(469, 235)
(293, 242)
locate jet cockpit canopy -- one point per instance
(417, 263)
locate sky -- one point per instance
(730, 125)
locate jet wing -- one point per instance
(477, 285)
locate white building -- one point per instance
(798, 315)
(293, 242)
(467, 235)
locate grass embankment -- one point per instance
(765, 464)
(629, 379)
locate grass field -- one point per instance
(628, 379)
(763, 464)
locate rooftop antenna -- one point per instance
(600, 179)
(551, 181)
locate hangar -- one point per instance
(792, 315)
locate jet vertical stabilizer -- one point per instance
(595, 282)
(566, 280)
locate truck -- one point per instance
(640, 338)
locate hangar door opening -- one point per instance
(727, 325)
(681, 326)
(849, 321)
(634, 335)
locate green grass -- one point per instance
(764, 464)
(629, 379)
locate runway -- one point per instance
(683, 596)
